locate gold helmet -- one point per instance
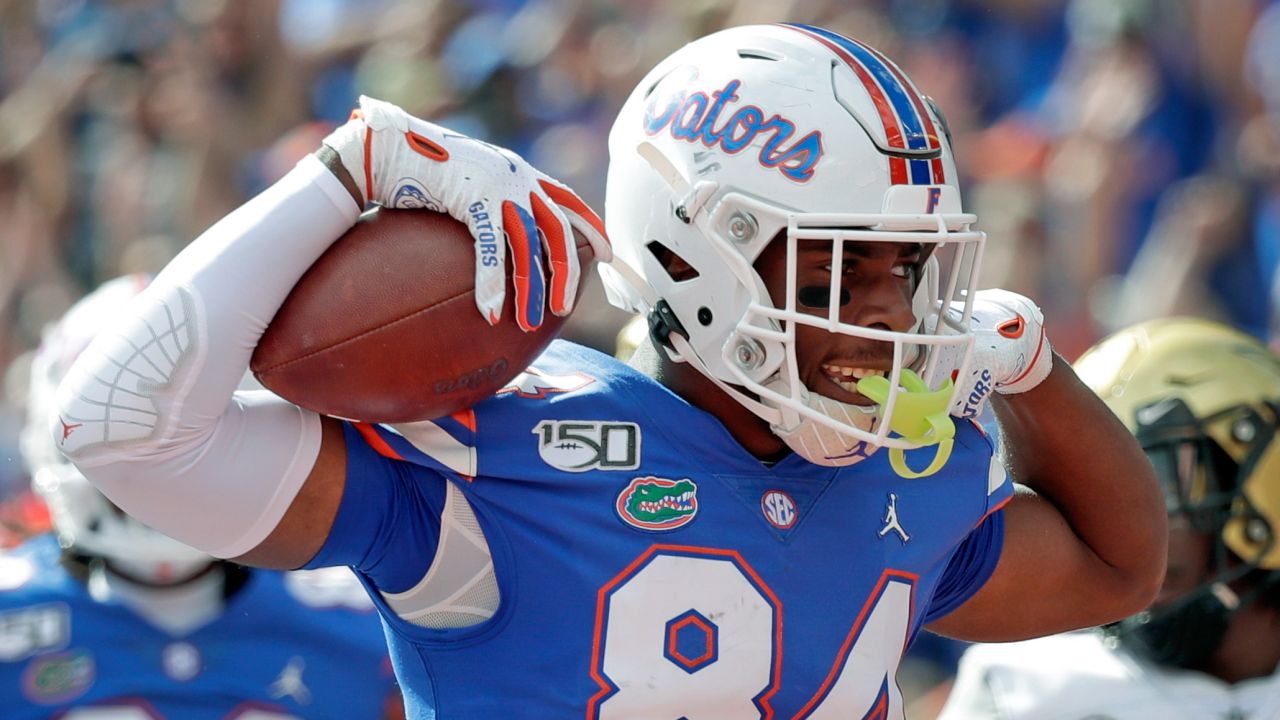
(1177, 383)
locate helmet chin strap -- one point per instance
(681, 350)
(818, 442)
(687, 354)
(920, 415)
(808, 438)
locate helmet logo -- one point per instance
(935, 194)
(695, 117)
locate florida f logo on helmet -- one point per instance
(791, 137)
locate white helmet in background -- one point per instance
(798, 133)
(86, 522)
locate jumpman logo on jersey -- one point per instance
(290, 682)
(68, 428)
(891, 520)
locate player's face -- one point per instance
(877, 283)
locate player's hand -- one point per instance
(400, 161)
(1011, 352)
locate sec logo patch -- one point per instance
(779, 509)
(181, 661)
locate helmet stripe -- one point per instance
(895, 90)
(892, 132)
(931, 132)
(906, 122)
(920, 173)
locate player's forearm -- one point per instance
(243, 267)
(204, 313)
(1064, 443)
(147, 411)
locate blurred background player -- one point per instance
(108, 613)
(1204, 401)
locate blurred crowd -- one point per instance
(1123, 155)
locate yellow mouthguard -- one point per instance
(920, 415)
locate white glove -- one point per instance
(1011, 352)
(399, 161)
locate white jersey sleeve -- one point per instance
(1079, 675)
(148, 412)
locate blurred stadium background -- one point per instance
(1123, 155)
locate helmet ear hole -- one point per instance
(676, 267)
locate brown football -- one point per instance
(384, 326)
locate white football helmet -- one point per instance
(85, 521)
(798, 133)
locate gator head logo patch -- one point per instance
(59, 677)
(654, 503)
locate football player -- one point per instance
(752, 519)
(1204, 402)
(107, 618)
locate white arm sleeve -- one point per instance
(148, 413)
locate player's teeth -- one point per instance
(849, 387)
(850, 371)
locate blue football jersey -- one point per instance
(289, 645)
(647, 566)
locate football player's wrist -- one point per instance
(348, 161)
(1038, 367)
(333, 161)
